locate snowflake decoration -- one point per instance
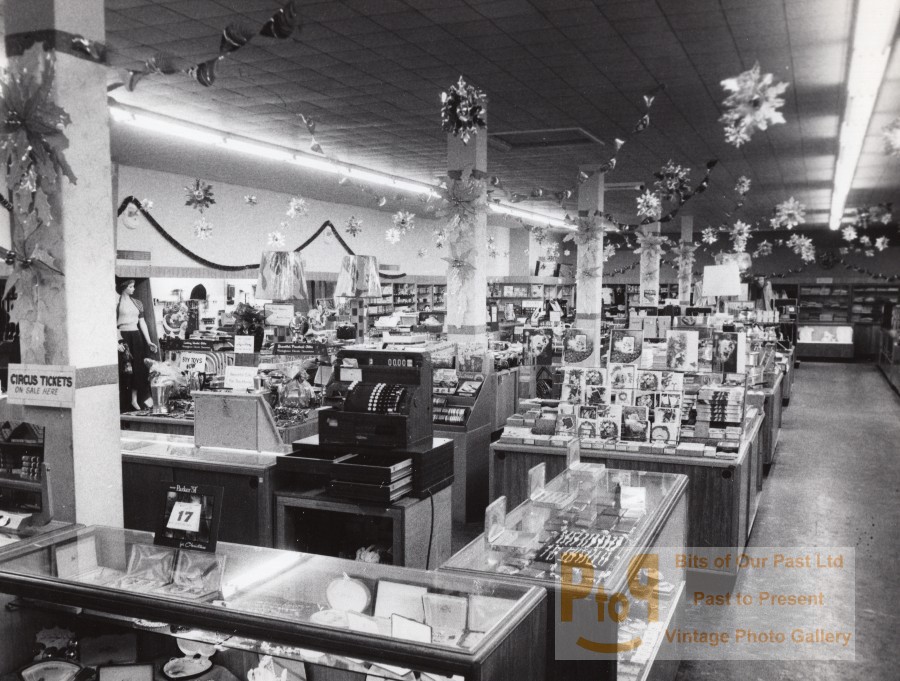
(199, 195)
(609, 250)
(422, 252)
(763, 249)
(743, 185)
(552, 251)
(891, 135)
(849, 233)
(392, 235)
(250, 199)
(202, 229)
(567, 252)
(865, 241)
(672, 181)
(463, 110)
(802, 246)
(740, 233)
(492, 251)
(753, 104)
(870, 253)
(146, 204)
(354, 226)
(404, 221)
(710, 235)
(843, 250)
(298, 207)
(648, 205)
(790, 213)
(276, 239)
(881, 243)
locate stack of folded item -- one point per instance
(720, 412)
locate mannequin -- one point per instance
(133, 334)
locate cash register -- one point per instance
(376, 441)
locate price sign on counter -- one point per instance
(243, 345)
(185, 516)
(190, 516)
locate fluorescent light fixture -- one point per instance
(528, 215)
(272, 152)
(873, 38)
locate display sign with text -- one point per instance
(41, 385)
(243, 345)
(190, 517)
(279, 314)
(240, 379)
(192, 362)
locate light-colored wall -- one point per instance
(240, 231)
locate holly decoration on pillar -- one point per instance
(32, 143)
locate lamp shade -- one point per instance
(721, 280)
(358, 278)
(281, 277)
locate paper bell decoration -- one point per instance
(281, 277)
(358, 278)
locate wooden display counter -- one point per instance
(151, 460)
(506, 396)
(419, 529)
(769, 401)
(723, 494)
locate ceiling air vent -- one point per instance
(537, 139)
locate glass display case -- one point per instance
(358, 620)
(613, 518)
(825, 340)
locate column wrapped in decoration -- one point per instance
(650, 248)
(684, 259)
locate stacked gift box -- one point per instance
(720, 412)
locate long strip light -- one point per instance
(873, 39)
(272, 152)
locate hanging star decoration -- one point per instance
(849, 233)
(422, 252)
(740, 234)
(392, 235)
(881, 243)
(882, 213)
(202, 228)
(649, 243)
(298, 207)
(648, 205)
(763, 249)
(865, 240)
(789, 214)
(460, 268)
(250, 200)
(590, 230)
(743, 185)
(685, 255)
(146, 204)
(567, 252)
(870, 253)
(753, 104)
(354, 226)
(404, 221)
(463, 200)
(710, 235)
(891, 136)
(609, 250)
(552, 251)
(276, 239)
(802, 246)
(672, 182)
(463, 110)
(199, 195)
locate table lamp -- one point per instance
(282, 280)
(358, 281)
(721, 280)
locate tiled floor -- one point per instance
(836, 483)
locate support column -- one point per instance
(467, 278)
(649, 239)
(75, 312)
(686, 263)
(589, 307)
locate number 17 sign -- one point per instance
(190, 516)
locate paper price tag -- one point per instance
(243, 345)
(185, 516)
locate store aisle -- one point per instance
(836, 483)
